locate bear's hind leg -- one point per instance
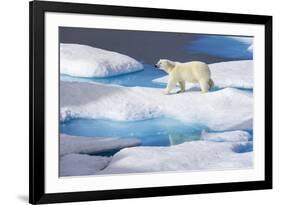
(211, 83)
(204, 85)
(182, 86)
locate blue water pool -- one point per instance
(141, 78)
(225, 47)
(152, 132)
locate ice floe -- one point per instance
(86, 61)
(215, 151)
(225, 109)
(193, 155)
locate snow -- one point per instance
(93, 145)
(193, 155)
(215, 151)
(86, 61)
(231, 136)
(217, 110)
(189, 156)
(238, 74)
(82, 164)
(99, 101)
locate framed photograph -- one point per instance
(130, 102)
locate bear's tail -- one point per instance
(211, 83)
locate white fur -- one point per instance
(193, 72)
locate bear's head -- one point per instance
(166, 65)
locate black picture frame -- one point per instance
(37, 9)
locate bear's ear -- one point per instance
(171, 64)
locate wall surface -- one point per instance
(14, 100)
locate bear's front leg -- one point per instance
(170, 86)
(182, 86)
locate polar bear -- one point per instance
(194, 72)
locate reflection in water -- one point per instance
(175, 138)
(151, 132)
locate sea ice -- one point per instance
(206, 154)
(86, 61)
(193, 155)
(225, 109)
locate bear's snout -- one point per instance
(156, 66)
